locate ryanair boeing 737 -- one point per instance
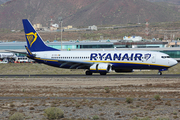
(101, 62)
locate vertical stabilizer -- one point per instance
(34, 41)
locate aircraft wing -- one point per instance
(72, 64)
(24, 53)
(75, 64)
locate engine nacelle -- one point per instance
(100, 68)
(123, 70)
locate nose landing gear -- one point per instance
(159, 73)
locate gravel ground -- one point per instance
(77, 109)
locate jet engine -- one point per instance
(100, 68)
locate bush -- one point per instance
(145, 118)
(107, 89)
(168, 103)
(17, 116)
(96, 117)
(53, 113)
(12, 105)
(117, 113)
(31, 108)
(129, 100)
(162, 119)
(157, 97)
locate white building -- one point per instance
(92, 27)
(55, 25)
(132, 38)
(37, 26)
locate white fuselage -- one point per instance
(129, 58)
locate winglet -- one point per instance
(34, 41)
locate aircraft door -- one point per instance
(153, 58)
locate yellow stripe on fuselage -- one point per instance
(46, 59)
(110, 62)
(99, 69)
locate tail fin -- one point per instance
(34, 41)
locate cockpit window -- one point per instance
(165, 57)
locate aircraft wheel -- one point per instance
(103, 73)
(159, 73)
(88, 73)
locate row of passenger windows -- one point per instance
(89, 58)
(70, 57)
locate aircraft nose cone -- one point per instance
(174, 62)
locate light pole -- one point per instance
(60, 21)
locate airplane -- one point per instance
(101, 62)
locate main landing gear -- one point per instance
(103, 73)
(90, 73)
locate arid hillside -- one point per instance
(166, 1)
(83, 12)
(157, 30)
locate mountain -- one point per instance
(166, 1)
(83, 12)
(4, 1)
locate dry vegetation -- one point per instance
(157, 30)
(134, 98)
(29, 68)
(140, 98)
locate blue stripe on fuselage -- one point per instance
(115, 65)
